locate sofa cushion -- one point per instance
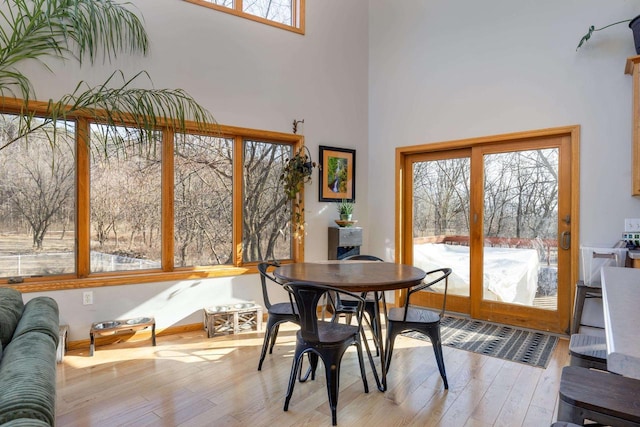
(28, 379)
(10, 311)
(26, 422)
(39, 315)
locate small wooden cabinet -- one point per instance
(633, 68)
(344, 241)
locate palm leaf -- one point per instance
(44, 30)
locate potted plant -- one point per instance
(634, 24)
(345, 209)
(297, 172)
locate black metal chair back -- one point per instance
(325, 340)
(264, 276)
(345, 306)
(442, 274)
(277, 313)
(412, 318)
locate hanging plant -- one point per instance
(634, 24)
(295, 174)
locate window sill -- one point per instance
(111, 279)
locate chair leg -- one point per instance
(313, 365)
(373, 325)
(362, 371)
(265, 344)
(581, 293)
(391, 338)
(332, 371)
(274, 334)
(295, 368)
(436, 343)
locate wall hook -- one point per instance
(295, 125)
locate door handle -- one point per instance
(565, 240)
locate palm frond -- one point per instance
(42, 30)
(123, 106)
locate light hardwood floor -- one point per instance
(191, 380)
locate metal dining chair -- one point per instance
(346, 306)
(411, 318)
(325, 340)
(277, 313)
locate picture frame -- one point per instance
(337, 174)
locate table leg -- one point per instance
(383, 349)
(381, 380)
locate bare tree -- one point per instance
(520, 195)
(44, 175)
(441, 195)
(266, 209)
(203, 200)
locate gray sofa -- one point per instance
(29, 336)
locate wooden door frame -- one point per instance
(571, 162)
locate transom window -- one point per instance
(286, 14)
(132, 207)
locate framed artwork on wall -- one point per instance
(337, 174)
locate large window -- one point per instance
(37, 209)
(134, 207)
(203, 201)
(265, 208)
(287, 14)
(125, 200)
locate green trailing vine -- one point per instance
(295, 174)
(593, 28)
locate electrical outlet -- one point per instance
(632, 224)
(87, 298)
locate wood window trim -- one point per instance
(83, 278)
(632, 67)
(297, 14)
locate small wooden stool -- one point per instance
(232, 318)
(603, 397)
(583, 292)
(588, 351)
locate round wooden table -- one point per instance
(353, 276)
(357, 277)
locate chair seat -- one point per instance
(332, 333)
(588, 351)
(605, 398)
(281, 308)
(415, 315)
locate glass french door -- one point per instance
(440, 213)
(499, 213)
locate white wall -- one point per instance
(251, 75)
(449, 69)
